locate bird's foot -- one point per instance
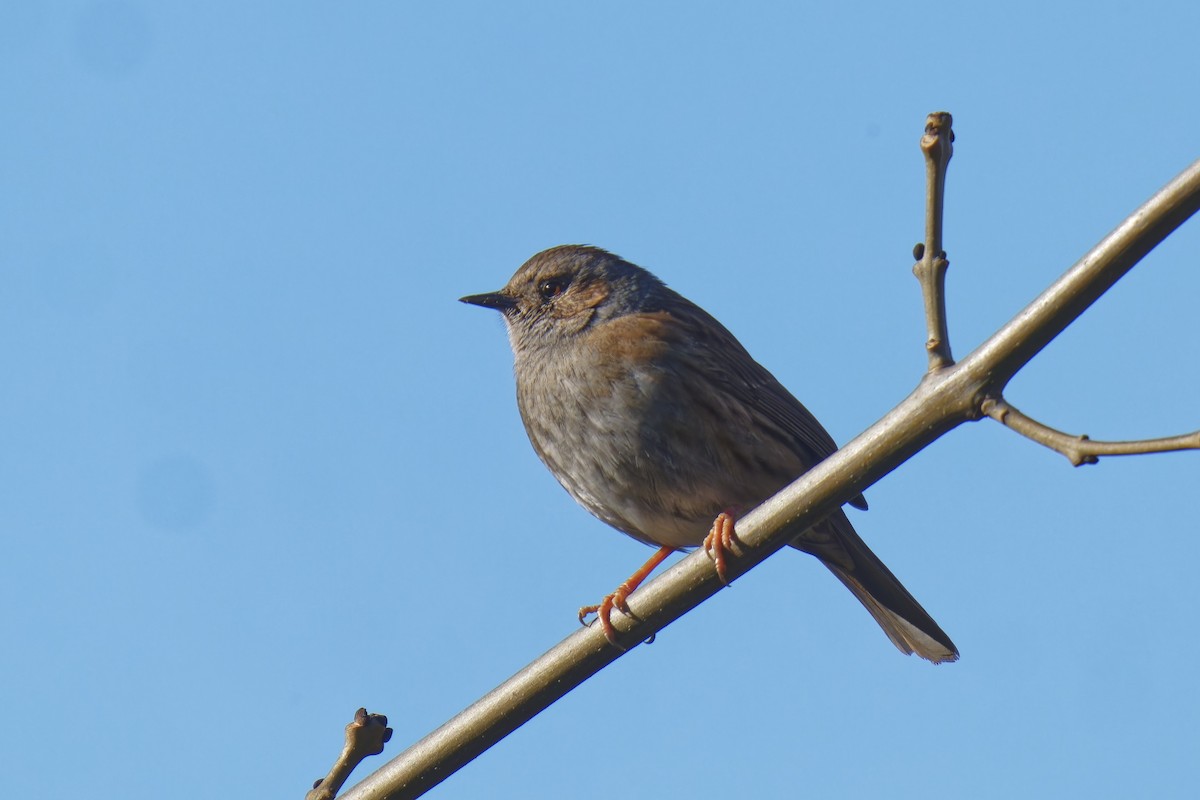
(722, 541)
(603, 611)
(618, 599)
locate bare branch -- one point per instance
(1080, 449)
(365, 736)
(1011, 347)
(938, 146)
(944, 399)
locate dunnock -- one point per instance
(656, 419)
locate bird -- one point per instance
(656, 419)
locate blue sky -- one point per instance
(260, 467)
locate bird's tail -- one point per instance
(835, 542)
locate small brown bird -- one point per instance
(657, 421)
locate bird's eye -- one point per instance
(551, 288)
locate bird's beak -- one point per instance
(496, 300)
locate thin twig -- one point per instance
(365, 736)
(1080, 449)
(938, 146)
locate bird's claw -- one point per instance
(720, 542)
(616, 600)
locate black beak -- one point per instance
(496, 300)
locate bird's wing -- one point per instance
(745, 380)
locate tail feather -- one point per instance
(902, 618)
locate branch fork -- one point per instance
(938, 146)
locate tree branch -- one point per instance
(944, 399)
(1080, 449)
(1037, 324)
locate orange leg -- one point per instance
(617, 599)
(721, 540)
